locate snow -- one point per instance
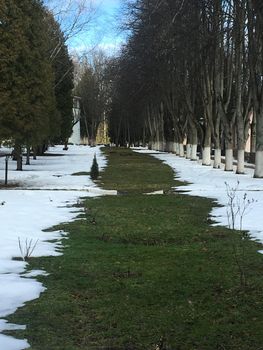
(10, 343)
(42, 197)
(204, 181)
(155, 193)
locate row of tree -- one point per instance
(191, 70)
(36, 77)
(93, 89)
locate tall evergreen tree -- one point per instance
(63, 70)
(28, 102)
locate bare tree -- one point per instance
(92, 89)
(75, 17)
(255, 34)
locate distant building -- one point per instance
(75, 137)
(102, 137)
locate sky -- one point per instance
(101, 20)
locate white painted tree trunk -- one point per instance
(259, 164)
(174, 147)
(217, 159)
(229, 160)
(169, 146)
(241, 161)
(181, 150)
(177, 149)
(206, 159)
(194, 152)
(188, 151)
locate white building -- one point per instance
(75, 137)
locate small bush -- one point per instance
(94, 171)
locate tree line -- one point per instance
(91, 85)
(191, 70)
(36, 78)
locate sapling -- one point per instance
(236, 209)
(27, 248)
(94, 171)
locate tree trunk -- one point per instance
(255, 29)
(240, 145)
(92, 141)
(217, 158)
(229, 147)
(206, 156)
(163, 145)
(253, 135)
(188, 151)
(194, 145)
(174, 147)
(229, 159)
(18, 156)
(34, 152)
(169, 146)
(208, 98)
(65, 145)
(239, 90)
(41, 149)
(177, 149)
(259, 164)
(28, 155)
(181, 150)
(217, 140)
(229, 154)
(259, 149)
(240, 161)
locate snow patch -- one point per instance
(155, 192)
(45, 197)
(205, 181)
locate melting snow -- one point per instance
(43, 199)
(204, 181)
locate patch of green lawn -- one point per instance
(140, 270)
(81, 173)
(130, 172)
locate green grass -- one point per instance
(81, 173)
(129, 172)
(137, 269)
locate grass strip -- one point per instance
(147, 272)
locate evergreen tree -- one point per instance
(94, 171)
(11, 41)
(26, 88)
(63, 71)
